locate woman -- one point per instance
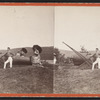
(36, 59)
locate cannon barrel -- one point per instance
(22, 60)
(80, 55)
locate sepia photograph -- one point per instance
(26, 49)
(77, 50)
(49, 50)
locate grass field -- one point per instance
(26, 79)
(74, 80)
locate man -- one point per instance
(23, 52)
(97, 61)
(55, 59)
(18, 54)
(9, 58)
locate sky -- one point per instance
(25, 26)
(77, 26)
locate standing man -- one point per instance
(97, 61)
(9, 58)
(55, 59)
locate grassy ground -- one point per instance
(72, 80)
(26, 79)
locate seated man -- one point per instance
(23, 52)
(18, 53)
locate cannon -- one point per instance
(81, 58)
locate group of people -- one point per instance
(35, 59)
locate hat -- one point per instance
(8, 47)
(24, 50)
(39, 49)
(97, 49)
